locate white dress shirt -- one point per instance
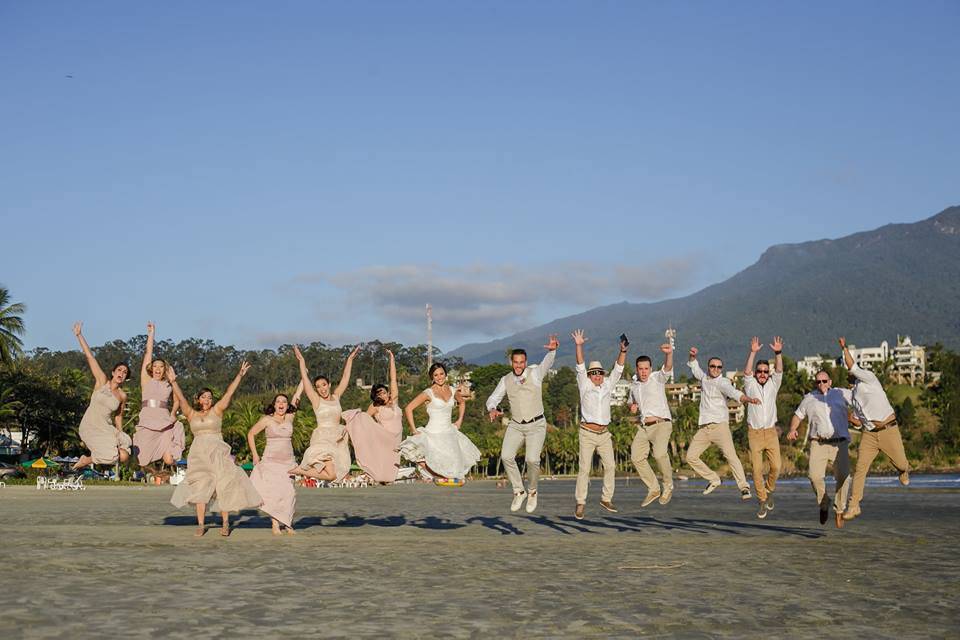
(533, 374)
(595, 399)
(714, 393)
(870, 403)
(826, 414)
(763, 415)
(651, 396)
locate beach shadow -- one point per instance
(496, 523)
(559, 527)
(731, 526)
(246, 516)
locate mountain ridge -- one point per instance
(900, 278)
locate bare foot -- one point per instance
(225, 531)
(200, 531)
(290, 531)
(276, 530)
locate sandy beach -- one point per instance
(423, 561)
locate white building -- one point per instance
(811, 364)
(909, 362)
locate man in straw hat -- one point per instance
(595, 395)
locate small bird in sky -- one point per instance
(68, 76)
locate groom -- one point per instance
(524, 389)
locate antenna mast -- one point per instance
(429, 336)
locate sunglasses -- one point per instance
(822, 381)
(763, 370)
(715, 366)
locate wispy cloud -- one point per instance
(493, 300)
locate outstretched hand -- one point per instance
(666, 348)
(777, 344)
(77, 328)
(151, 328)
(296, 352)
(755, 345)
(244, 367)
(171, 374)
(693, 353)
(389, 353)
(843, 342)
(578, 337)
(353, 354)
(552, 343)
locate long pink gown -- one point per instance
(375, 441)
(158, 432)
(270, 477)
(97, 430)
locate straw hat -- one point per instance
(595, 367)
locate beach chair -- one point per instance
(41, 483)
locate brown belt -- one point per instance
(593, 427)
(653, 421)
(829, 440)
(885, 425)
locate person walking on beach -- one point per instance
(825, 410)
(881, 432)
(762, 420)
(527, 427)
(159, 435)
(596, 392)
(714, 423)
(648, 398)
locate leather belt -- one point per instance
(829, 440)
(885, 425)
(154, 404)
(652, 421)
(531, 420)
(593, 427)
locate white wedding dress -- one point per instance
(440, 444)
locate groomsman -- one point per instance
(714, 423)
(825, 410)
(649, 397)
(881, 433)
(527, 427)
(762, 420)
(595, 396)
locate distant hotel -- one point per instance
(907, 361)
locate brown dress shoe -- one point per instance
(578, 514)
(608, 506)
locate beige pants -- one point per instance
(657, 435)
(764, 441)
(531, 437)
(838, 454)
(872, 443)
(602, 443)
(717, 433)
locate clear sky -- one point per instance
(264, 172)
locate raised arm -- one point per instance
(147, 355)
(578, 340)
(408, 410)
(847, 356)
(305, 382)
(295, 400)
(755, 346)
(547, 363)
(394, 387)
(98, 375)
(777, 346)
(177, 393)
(622, 358)
(694, 365)
(345, 378)
(260, 425)
(667, 357)
(224, 402)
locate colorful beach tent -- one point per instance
(40, 463)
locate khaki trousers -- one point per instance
(717, 433)
(531, 437)
(839, 455)
(657, 435)
(602, 443)
(764, 441)
(888, 441)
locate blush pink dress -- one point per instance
(158, 432)
(211, 471)
(97, 430)
(328, 442)
(270, 477)
(376, 441)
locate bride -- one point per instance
(440, 447)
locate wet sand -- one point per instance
(423, 561)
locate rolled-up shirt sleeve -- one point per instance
(497, 395)
(695, 369)
(801, 411)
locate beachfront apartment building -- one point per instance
(907, 361)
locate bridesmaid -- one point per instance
(328, 456)
(159, 435)
(101, 428)
(270, 477)
(376, 433)
(211, 470)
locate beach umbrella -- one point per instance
(40, 463)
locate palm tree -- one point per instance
(11, 327)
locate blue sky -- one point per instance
(259, 173)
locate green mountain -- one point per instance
(869, 286)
